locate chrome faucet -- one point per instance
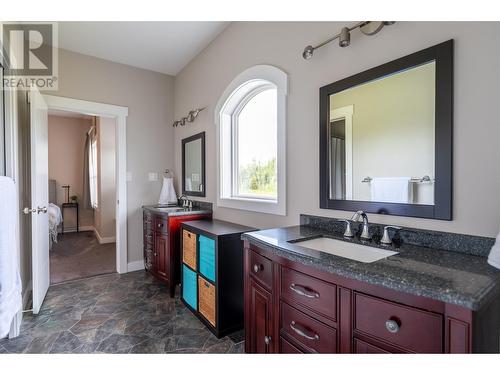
(348, 232)
(186, 202)
(365, 233)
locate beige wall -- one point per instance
(66, 150)
(149, 98)
(392, 129)
(476, 131)
(104, 218)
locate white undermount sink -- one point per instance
(169, 208)
(361, 253)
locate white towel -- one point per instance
(10, 280)
(391, 189)
(494, 257)
(167, 195)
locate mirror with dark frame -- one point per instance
(386, 137)
(193, 165)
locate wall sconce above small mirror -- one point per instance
(193, 165)
(386, 137)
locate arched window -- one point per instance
(250, 119)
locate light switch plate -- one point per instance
(153, 176)
(129, 176)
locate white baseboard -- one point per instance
(86, 228)
(103, 240)
(135, 266)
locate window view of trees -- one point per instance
(258, 178)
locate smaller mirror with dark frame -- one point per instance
(193, 165)
(386, 137)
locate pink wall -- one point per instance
(66, 147)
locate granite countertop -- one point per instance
(452, 277)
(177, 210)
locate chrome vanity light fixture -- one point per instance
(344, 37)
(191, 116)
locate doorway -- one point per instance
(82, 196)
(117, 114)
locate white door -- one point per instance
(39, 198)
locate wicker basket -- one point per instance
(189, 248)
(206, 299)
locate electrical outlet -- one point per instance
(129, 176)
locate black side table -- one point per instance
(70, 205)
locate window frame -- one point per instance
(238, 93)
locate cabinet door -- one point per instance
(261, 320)
(161, 254)
(362, 347)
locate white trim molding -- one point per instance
(345, 113)
(103, 240)
(246, 84)
(135, 266)
(120, 114)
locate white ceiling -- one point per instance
(164, 47)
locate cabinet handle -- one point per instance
(154, 254)
(189, 235)
(392, 326)
(301, 331)
(160, 225)
(267, 340)
(257, 267)
(303, 291)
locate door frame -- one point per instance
(120, 114)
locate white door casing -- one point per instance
(39, 198)
(120, 114)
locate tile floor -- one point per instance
(129, 313)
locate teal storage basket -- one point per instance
(189, 287)
(207, 257)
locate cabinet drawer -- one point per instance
(287, 348)
(189, 287)
(161, 225)
(417, 330)
(262, 269)
(308, 291)
(312, 334)
(189, 248)
(361, 347)
(207, 257)
(206, 298)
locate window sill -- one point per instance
(274, 207)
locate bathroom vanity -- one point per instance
(161, 228)
(436, 294)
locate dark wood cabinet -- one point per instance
(160, 255)
(162, 245)
(294, 308)
(260, 312)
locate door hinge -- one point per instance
(28, 97)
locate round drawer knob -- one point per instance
(267, 340)
(392, 326)
(257, 267)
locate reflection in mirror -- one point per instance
(382, 139)
(193, 156)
